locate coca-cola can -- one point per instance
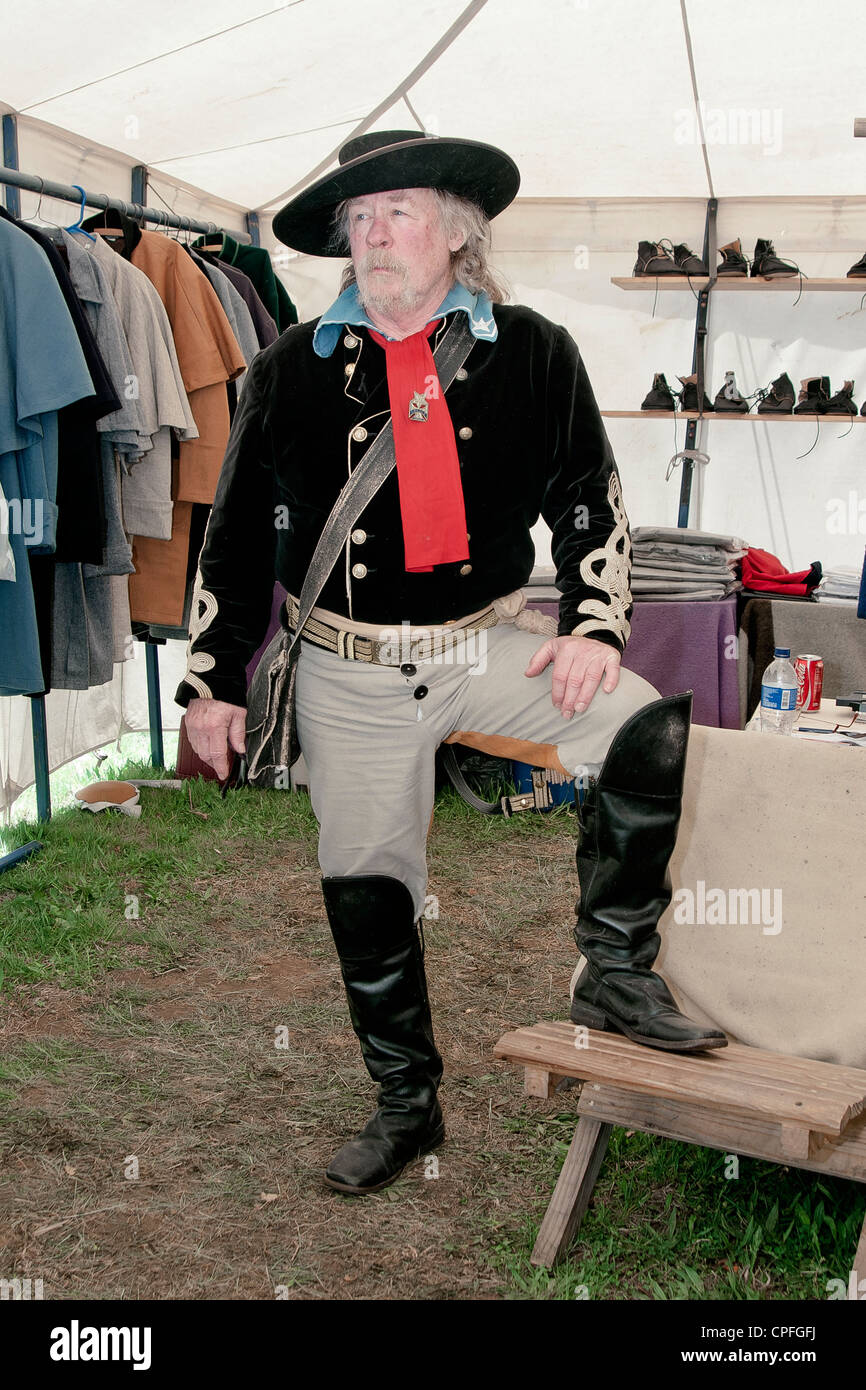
(810, 681)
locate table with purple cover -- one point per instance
(686, 646)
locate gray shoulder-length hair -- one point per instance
(470, 263)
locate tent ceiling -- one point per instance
(592, 99)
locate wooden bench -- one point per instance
(738, 1099)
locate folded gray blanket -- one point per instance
(678, 569)
(677, 586)
(703, 557)
(687, 535)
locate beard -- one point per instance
(397, 296)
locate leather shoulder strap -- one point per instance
(370, 474)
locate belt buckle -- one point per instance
(416, 650)
(401, 652)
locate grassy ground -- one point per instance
(177, 1067)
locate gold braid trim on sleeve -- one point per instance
(612, 579)
(200, 619)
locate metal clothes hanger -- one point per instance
(55, 228)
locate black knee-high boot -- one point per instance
(629, 824)
(373, 924)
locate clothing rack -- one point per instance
(71, 194)
(15, 178)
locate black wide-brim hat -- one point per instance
(385, 159)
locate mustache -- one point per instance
(379, 260)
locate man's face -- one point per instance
(399, 248)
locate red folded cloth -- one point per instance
(765, 573)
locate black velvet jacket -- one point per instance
(530, 441)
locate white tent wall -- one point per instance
(59, 155)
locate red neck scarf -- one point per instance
(428, 469)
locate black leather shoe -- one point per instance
(814, 396)
(733, 260)
(778, 399)
(858, 269)
(629, 826)
(688, 262)
(655, 259)
(661, 397)
(767, 264)
(843, 401)
(689, 395)
(377, 1156)
(642, 1008)
(373, 924)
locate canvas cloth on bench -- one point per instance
(785, 816)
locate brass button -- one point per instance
(465, 433)
(349, 368)
(465, 569)
(359, 536)
(350, 341)
(360, 434)
(461, 374)
(359, 571)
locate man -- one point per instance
(444, 546)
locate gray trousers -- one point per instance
(370, 757)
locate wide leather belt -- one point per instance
(393, 650)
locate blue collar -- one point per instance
(348, 309)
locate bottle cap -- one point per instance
(782, 651)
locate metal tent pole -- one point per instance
(154, 704)
(16, 856)
(10, 157)
(698, 351)
(138, 184)
(40, 757)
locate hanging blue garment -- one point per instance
(42, 369)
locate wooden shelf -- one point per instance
(740, 283)
(726, 415)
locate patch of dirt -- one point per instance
(180, 992)
(46, 1011)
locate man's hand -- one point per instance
(213, 728)
(579, 663)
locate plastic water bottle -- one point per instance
(779, 694)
